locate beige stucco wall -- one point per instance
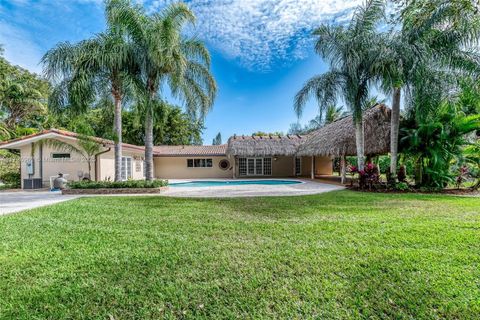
(106, 164)
(50, 166)
(104, 169)
(282, 166)
(323, 166)
(176, 168)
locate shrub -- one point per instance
(117, 184)
(9, 169)
(11, 180)
(402, 186)
(369, 176)
(402, 174)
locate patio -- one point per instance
(307, 187)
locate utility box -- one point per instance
(32, 183)
(30, 164)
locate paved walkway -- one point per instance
(15, 201)
(305, 188)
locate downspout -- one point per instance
(40, 162)
(96, 162)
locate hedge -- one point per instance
(117, 184)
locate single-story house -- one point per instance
(241, 157)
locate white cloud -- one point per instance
(259, 32)
(20, 49)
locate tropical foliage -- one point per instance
(426, 57)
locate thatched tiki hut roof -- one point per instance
(261, 146)
(338, 138)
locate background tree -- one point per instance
(23, 95)
(217, 140)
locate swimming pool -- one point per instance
(232, 183)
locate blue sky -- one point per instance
(261, 50)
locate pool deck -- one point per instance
(305, 188)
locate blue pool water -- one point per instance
(232, 183)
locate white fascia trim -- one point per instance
(20, 143)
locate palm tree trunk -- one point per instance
(118, 137)
(394, 128)
(360, 142)
(149, 145)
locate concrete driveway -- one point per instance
(14, 201)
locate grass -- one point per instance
(340, 255)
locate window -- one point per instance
(298, 166)
(242, 166)
(267, 166)
(255, 166)
(199, 163)
(60, 155)
(224, 164)
(126, 168)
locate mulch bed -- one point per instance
(460, 192)
(114, 191)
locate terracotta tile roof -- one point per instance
(180, 151)
(160, 151)
(72, 135)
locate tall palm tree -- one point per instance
(166, 58)
(87, 69)
(352, 53)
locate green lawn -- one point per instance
(340, 255)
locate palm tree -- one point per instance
(90, 68)
(166, 58)
(352, 52)
(333, 113)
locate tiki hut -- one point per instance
(262, 146)
(338, 138)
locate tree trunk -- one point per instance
(343, 169)
(394, 128)
(149, 145)
(419, 172)
(89, 169)
(118, 137)
(360, 142)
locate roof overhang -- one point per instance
(23, 142)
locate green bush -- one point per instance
(117, 184)
(11, 180)
(9, 170)
(402, 186)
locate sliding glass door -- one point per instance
(255, 166)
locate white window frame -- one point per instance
(254, 166)
(127, 163)
(205, 160)
(298, 166)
